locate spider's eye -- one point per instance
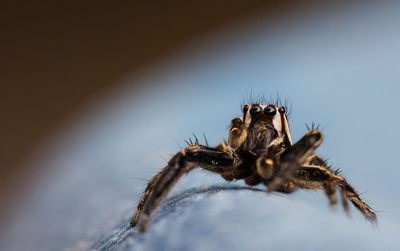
(269, 111)
(281, 110)
(255, 109)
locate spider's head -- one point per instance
(267, 117)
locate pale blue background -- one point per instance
(339, 67)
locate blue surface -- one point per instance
(337, 67)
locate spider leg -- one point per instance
(329, 185)
(330, 191)
(316, 160)
(317, 177)
(345, 202)
(144, 197)
(294, 156)
(217, 160)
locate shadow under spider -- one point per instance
(123, 231)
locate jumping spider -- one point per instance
(259, 150)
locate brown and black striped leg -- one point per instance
(316, 177)
(316, 160)
(144, 197)
(330, 191)
(294, 156)
(211, 159)
(329, 185)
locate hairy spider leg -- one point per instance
(144, 197)
(210, 159)
(329, 184)
(316, 160)
(315, 177)
(294, 156)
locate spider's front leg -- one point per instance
(294, 156)
(217, 160)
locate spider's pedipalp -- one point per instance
(265, 167)
(237, 133)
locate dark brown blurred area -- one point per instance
(57, 56)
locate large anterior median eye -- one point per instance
(269, 111)
(255, 109)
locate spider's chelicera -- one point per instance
(259, 150)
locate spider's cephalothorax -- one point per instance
(259, 150)
(261, 125)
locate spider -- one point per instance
(259, 150)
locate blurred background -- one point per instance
(95, 96)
